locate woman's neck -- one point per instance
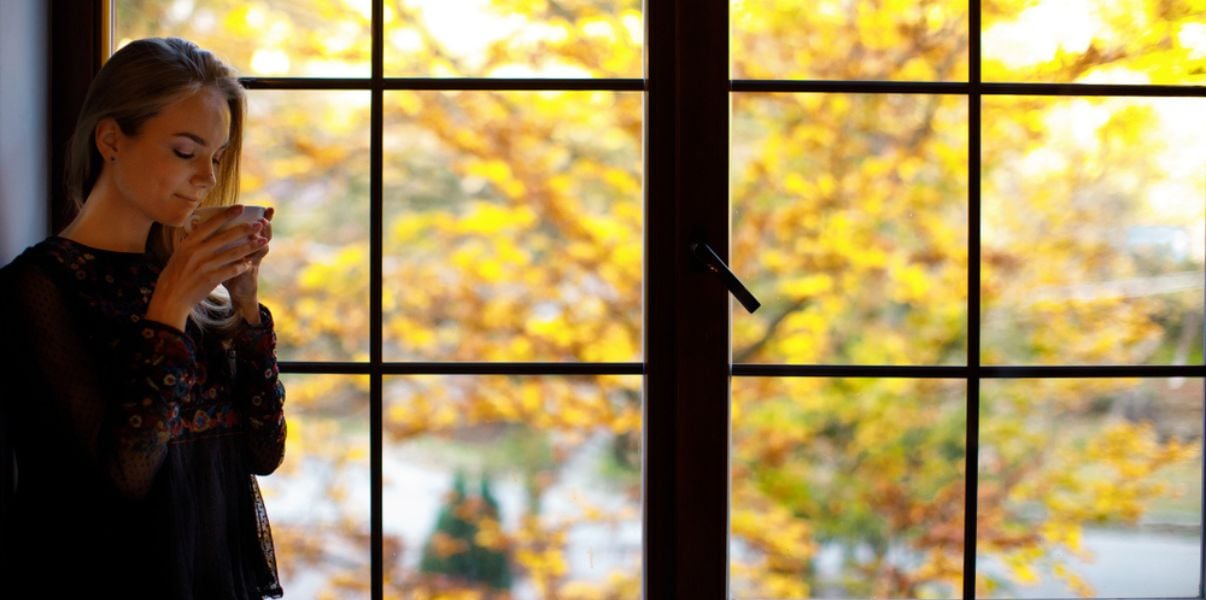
(108, 222)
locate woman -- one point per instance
(142, 396)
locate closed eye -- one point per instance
(182, 155)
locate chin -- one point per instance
(175, 220)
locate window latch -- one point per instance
(710, 260)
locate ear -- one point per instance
(107, 135)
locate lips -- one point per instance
(187, 199)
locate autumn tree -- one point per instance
(513, 228)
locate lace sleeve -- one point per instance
(258, 393)
(118, 393)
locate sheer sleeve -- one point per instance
(117, 390)
(258, 393)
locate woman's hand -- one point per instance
(244, 287)
(198, 264)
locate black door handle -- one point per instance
(708, 258)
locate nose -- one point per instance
(206, 175)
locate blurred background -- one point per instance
(514, 230)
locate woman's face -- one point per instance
(168, 168)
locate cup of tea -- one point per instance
(251, 213)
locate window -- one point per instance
(978, 236)
(978, 232)
(458, 252)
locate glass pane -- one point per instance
(513, 487)
(847, 488)
(297, 38)
(318, 499)
(513, 38)
(902, 40)
(513, 226)
(306, 154)
(1095, 41)
(1090, 488)
(850, 225)
(1093, 230)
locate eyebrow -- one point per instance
(196, 138)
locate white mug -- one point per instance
(251, 213)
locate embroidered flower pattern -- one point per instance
(169, 370)
(171, 393)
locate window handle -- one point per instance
(709, 259)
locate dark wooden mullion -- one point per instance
(849, 87)
(376, 313)
(971, 451)
(442, 84)
(686, 438)
(966, 88)
(1090, 89)
(755, 370)
(968, 372)
(465, 368)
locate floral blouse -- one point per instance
(135, 445)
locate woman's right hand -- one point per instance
(198, 264)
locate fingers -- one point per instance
(267, 221)
(220, 269)
(221, 254)
(237, 232)
(207, 228)
(265, 228)
(223, 239)
(241, 251)
(230, 271)
(264, 235)
(258, 255)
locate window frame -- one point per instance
(974, 372)
(686, 362)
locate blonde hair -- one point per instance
(137, 82)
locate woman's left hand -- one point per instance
(244, 288)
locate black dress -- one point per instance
(130, 450)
